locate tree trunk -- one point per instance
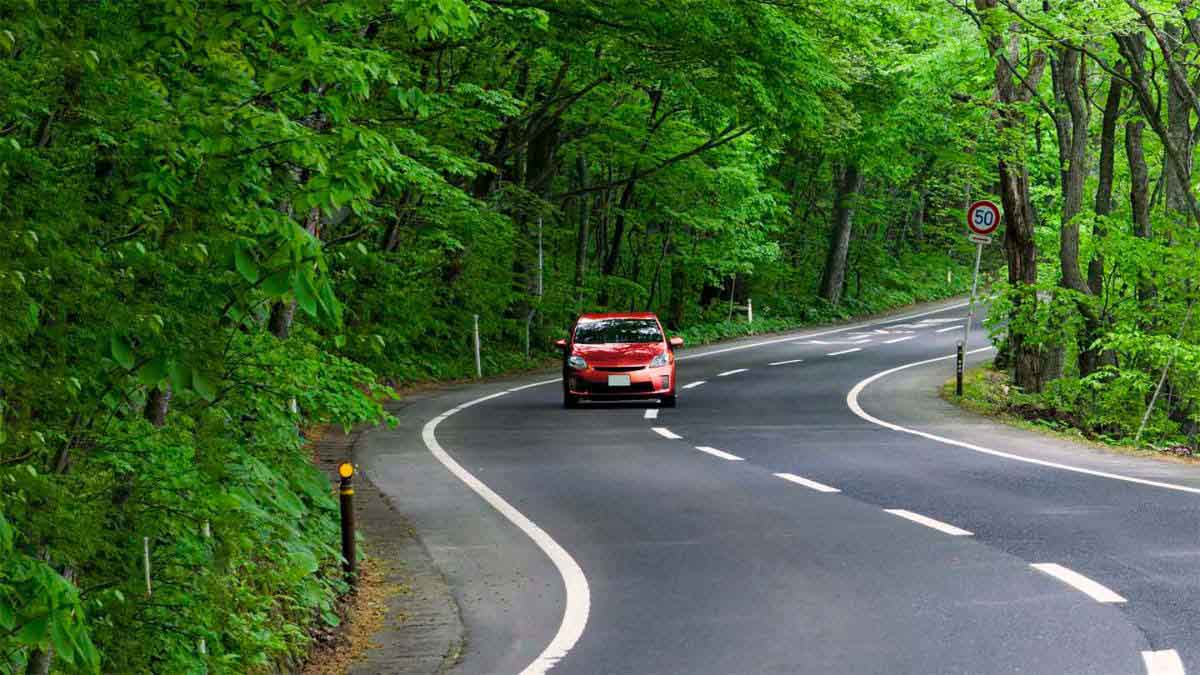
(1139, 187)
(678, 288)
(849, 183)
(581, 241)
(1179, 129)
(157, 405)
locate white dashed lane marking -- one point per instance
(1163, 662)
(732, 372)
(694, 384)
(948, 329)
(845, 351)
(651, 413)
(812, 484)
(1092, 589)
(930, 522)
(719, 453)
(666, 433)
(786, 363)
(899, 339)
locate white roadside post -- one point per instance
(750, 310)
(983, 217)
(478, 365)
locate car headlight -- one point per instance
(577, 362)
(659, 361)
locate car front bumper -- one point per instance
(643, 383)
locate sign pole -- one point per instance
(971, 304)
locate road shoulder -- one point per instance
(911, 398)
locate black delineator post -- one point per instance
(958, 372)
(346, 490)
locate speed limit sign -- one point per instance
(983, 218)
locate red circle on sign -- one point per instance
(983, 217)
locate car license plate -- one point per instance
(618, 380)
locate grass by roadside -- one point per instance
(988, 392)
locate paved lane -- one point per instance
(764, 527)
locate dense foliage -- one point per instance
(225, 222)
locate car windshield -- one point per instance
(608, 331)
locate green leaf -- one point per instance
(279, 283)
(64, 647)
(121, 351)
(244, 261)
(181, 376)
(34, 632)
(204, 386)
(153, 371)
(306, 295)
(6, 538)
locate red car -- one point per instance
(618, 356)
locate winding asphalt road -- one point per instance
(803, 510)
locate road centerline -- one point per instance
(719, 453)
(786, 363)
(938, 525)
(899, 339)
(845, 351)
(1089, 587)
(811, 484)
(1163, 662)
(666, 433)
(693, 384)
(651, 414)
(735, 371)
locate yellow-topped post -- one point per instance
(346, 492)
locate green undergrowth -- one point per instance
(989, 392)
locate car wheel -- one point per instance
(668, 401)
(570, 401)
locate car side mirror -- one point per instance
(675, 342)
(561, 344)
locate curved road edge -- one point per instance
(578, 597)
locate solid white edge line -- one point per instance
(1163, 662)
(735, 371)
(719, 453)
(811, 484)
(651, 413)
(578, 596)
(852, 402)
(938, 525)
(899, 339)
(666, 433)
(948, 329)
(786, 363)
(845, 351)
(1088, 587)
(693, 384)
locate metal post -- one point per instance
(971, 306)
(478, 364)
(958, 371)
(749, 310)
(346, 490)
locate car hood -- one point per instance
(628, 354)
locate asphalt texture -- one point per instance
(699, 564)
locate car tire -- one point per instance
(668, 401)
(570, 401)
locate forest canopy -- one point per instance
(226, 224)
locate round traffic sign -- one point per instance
(983, 217)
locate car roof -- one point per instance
(617, 315)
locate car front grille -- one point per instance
(618, 369)
(635, 388)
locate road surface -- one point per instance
(803, 510)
